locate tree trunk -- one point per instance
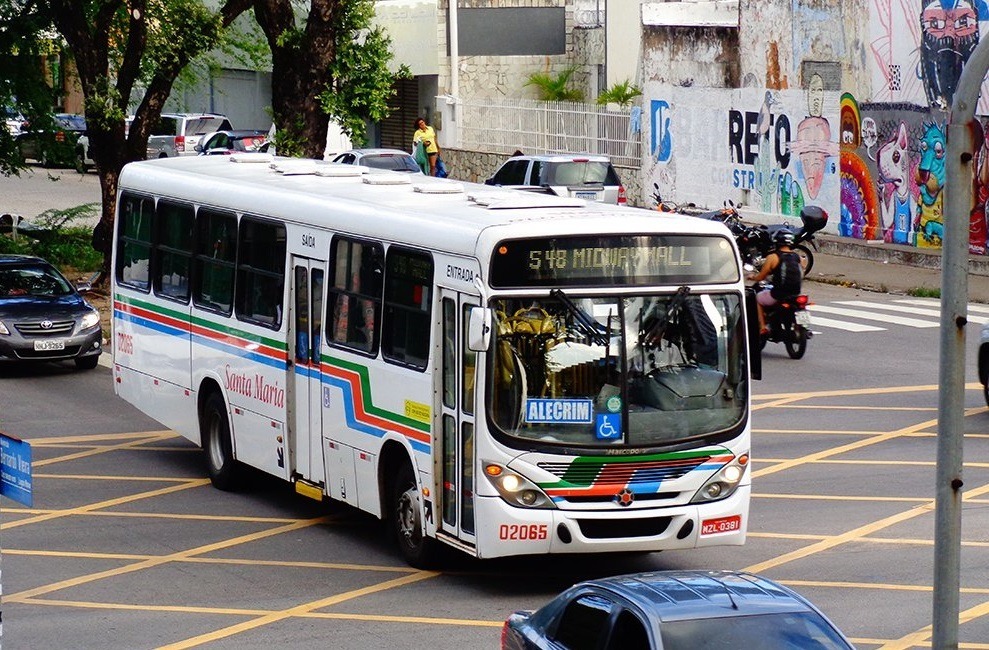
(300, 69)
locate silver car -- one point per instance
(581, 176)
(393, 159)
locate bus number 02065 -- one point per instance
(522, 531)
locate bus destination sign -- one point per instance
(608, 260)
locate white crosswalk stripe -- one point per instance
(872, 316)
(934, 312)
(922, 313)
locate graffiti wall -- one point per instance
(771, 151)
(872, 156)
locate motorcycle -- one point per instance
(757, 242)
(788, 322)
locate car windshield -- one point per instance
(32, 281)
(394, 162)
(630, 371)
(578, 173)
(203, 125)
(783, 631)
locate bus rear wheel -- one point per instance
(224, 472)
(406, 514)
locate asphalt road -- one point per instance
(127, 546)
(37, 189)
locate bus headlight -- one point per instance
(724, 483)
(516, 489)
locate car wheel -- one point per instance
(985, 393)
(87, 363)
(406, 519)
(214, 429)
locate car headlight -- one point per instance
(90, 320)
(3, 329)
(724, 482)
(516, 489)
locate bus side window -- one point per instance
(134, 242)
(408, 306)
(354, 295)
(260, 285)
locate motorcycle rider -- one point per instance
(784, 265)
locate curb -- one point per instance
(884, 253)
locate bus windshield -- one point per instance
(635, 371)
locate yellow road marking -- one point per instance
(194, 483)
(339, 616)
(841, 449)
(839, 407)
(855, 534)
(304, 608)
(334, 566)
(851, 392)
(924, 633)
(163, 559)
(102, 450)
(44, 442)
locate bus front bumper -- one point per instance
(504, 530)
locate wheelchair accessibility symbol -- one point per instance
(608, 426)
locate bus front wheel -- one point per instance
(406, 519)
(223, 471)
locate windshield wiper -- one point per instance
(658, 328)
(584, 323)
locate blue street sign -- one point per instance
(15, 469)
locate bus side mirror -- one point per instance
(479, 329)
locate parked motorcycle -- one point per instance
(757, 243)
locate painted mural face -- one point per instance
(949, 34)
(813, 146)
(815, 96)
(870, 134)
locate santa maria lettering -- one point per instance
(558, 411)
(256, 387)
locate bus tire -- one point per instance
(405, 515)
(214, 429)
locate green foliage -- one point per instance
(556, 89)
(622, 93)
(924, 292)
(62, 242)
(290, 139)
(362, 83)
(180, 27)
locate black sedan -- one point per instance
(675, 610)
(43, 317)
(224, 143)
(52, 145)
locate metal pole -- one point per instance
(958, 203)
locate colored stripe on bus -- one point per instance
(218, 337)
(362, 414)
(595, 476)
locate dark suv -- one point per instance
(581, 176)
(43, 317)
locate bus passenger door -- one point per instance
(304, 339)
(457, 370)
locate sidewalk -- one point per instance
(890, 268)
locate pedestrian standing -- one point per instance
(427, 136)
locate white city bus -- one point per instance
(502, 372)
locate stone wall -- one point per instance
(476, 166)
